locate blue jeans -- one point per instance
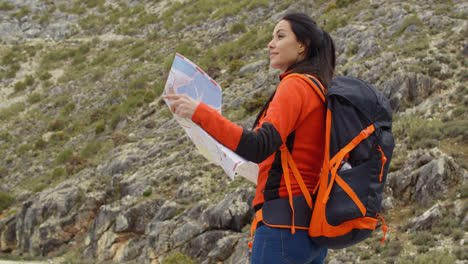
(278, 246)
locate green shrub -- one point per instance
(106, 58)
(342, 3)
(100, 127)
(24, 11)
(147, 193)
(330, 7)
(91, 149)
(40, 144)
(235, 65)
(252, 4)
(58, 137)
(68, 109)
(463, 191)
(419, 131)
(63, 156)
(5, 6)
(461, 253)
(352, 49)
(19, 86)
(456, 128)
(4, 135)
(57, 125)
(335, 20)
(178, 258)
(23, 149)
(238, 28)
(29, 80)
(138, 83)
(78, 59)
(422, 238)
(6, 200)
(11, 111)
(412, 20)
(34, 98)
(119, 138)
(58, 173)
(434, 257)
(75, 163)
(44, 75)
(158, 88)
(187, 49)
(3, 171)
(254, 102)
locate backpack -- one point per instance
(346, 202)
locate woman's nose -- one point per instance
(270, 45)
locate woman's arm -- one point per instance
(293, 101)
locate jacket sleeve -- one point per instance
(293, 101)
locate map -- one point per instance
(187, 78)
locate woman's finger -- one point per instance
(172, 96)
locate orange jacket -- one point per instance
(295, 116)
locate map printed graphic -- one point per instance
(187, 78)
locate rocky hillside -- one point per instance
(94, 169)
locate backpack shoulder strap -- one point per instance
(312, 81)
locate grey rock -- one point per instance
(134, 219)
(426, 220)
(187, 231)
(367, 48)
(8, 233)
(200, 246)
(427, 178)
(224, 248)
(159, 235)
(241, 253)
(253, 67)
(233, 212)
(167, 211)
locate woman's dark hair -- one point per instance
(319, 60)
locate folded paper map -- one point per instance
(187, 78)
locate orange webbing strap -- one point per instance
(336, 160)
(351, 194)
(284, 163)
(258, 218)
(384, 159)
(384, 228)
(319, 90)
(299, 179)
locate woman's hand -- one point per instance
(182, 105)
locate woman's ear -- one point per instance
(302, 48)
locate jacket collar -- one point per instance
(285, 74)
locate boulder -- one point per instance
(8, 234)
(233, 212)
(428, 177)
(48, 220)
(426, 220)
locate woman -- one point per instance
(294, 116)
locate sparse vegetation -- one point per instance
(51, 125)
(178, 258)
(6, 199)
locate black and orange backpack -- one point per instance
(346, 203)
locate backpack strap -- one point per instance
(287, 161)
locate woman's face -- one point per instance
(285, 50)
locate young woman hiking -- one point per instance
(292, 118)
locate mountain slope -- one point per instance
(93, 166)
